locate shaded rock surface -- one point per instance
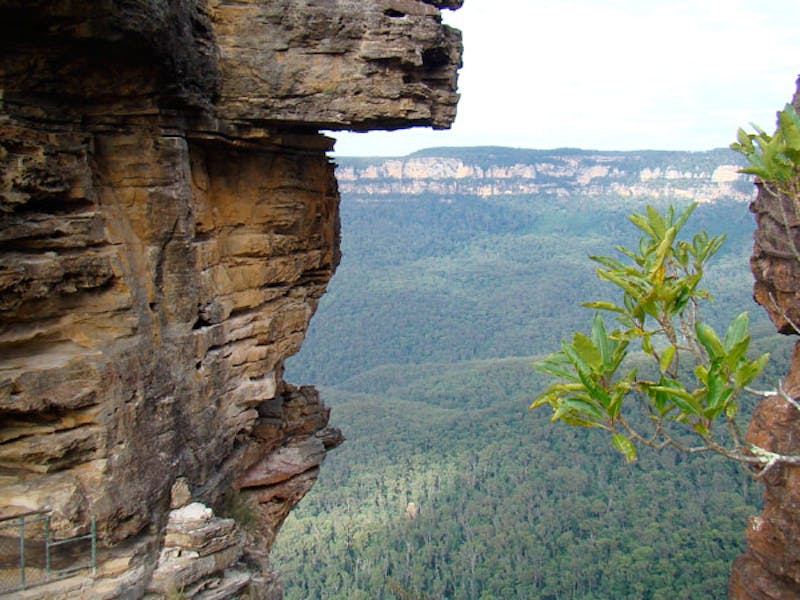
(771, 567)
(168, 223)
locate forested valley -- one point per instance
(423, 347)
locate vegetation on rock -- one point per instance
(660, 317)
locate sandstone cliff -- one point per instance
(771, 566)
(562, 173)
(168, 222)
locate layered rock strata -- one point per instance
(490, 172)
(771, 567)
(168, 223)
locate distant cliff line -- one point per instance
(488, 171)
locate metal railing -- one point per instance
(29, 556)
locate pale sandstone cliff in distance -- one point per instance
(168, 223)
(567, 173)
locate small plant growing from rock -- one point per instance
(775, 159)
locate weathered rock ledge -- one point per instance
(168, 223)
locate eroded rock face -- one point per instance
(168, 223)
(771, 566)
(361, 65)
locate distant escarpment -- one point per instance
(561, 173)
(168, 223)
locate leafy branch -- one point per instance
(660, 316)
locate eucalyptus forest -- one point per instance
(447, 485)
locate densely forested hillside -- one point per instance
(450, 279)
(423, 347)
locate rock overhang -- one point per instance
(169, 221)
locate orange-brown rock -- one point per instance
(168, 223)
(770, 569)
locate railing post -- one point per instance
(22, 552)
(22, 522)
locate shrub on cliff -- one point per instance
(687, 391)
(660, 315)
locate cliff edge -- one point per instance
(770, 569)
(168, 223)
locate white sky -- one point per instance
(611, 74)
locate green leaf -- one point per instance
(586, 349)
(666, 359)
(655, 221)
(717, 394)
(541, 400)
(714, 245)
(745, 143)
(567, 390)
(642, 223)
(708, 338)
(600, 305)
(630, 285)
(607, 261)
(701, 373)
(557, 365)
(685, 402)
(650, 308)
(576, 421)
(581, 408)
(600, 340)
(680, 302)
(759, 169)
(647, 345)
(736, 354)
(595, 389)
(625, 446)
(745, 374)
(790, 126)
(621, 390)
(789, 109)
(575, 358)
(685, 216)
(665, 247)
(737, 330)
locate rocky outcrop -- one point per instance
(566, 173)
(771, 567)
(198, 544)
(168, 223)
(360, 65)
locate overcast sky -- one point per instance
(611, 74)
